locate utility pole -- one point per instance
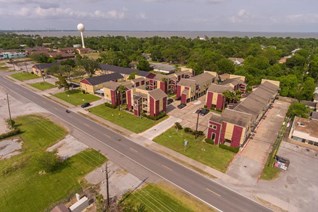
(196, 128)
(9, 110)
(107, 185)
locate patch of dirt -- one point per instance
(10, 147)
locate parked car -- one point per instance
(86, 104)
(181, 106)
(170, 101)
(204, 111)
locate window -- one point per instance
(213, 126)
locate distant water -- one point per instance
(186, 34)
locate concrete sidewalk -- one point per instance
(160, 128)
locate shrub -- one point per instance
(198, 133)
(110, 105)
(159, 116)
(210, 141)
(230, 148)
(9, 134)
(188, 130)
(11, 123)
(178, 126)
(49, 161)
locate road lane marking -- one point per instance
(132, 149)
(213, 192)
(166, 167)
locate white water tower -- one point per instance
(81, 28)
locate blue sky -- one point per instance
(152, 15)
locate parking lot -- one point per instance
(297, 187)
(188, 115)
(248, 164)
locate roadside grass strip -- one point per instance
(23, 76)
(42, 86)
(76, 97)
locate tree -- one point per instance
(132, 76)
(89, 65)
(62, 83)
(225, 66)
(143, 65)
(232, 96)
(121, 91)
(49, 161)
(298, 109)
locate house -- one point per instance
(236, 60)
(163, 68)
(194, 87)
(215, 98)
(304, 131)
(234, 126)
(92, 84)
(149, 102)
(39, 69)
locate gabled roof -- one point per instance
(233, 81)
(101, 79)
(257, 101)
(123, 70)
(219, 88)
(112, 85)
(202, 78)
(234, 117)
(157, 94)
(187, 82)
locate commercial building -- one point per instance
(234, 126)
(163, 68)
(304, 131)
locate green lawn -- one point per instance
(270, 173)
(23, 188)
(164, 198)
(22, 76)
(124, 119)
(197, 149)
(76, 97)
(42, 86)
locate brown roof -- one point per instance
(306, 126)
(224, 77)
(187, 82)
(182, 72)
(112, 85)
(202, 78)
(258, 100)
(157, 94)
(233, 81)
(234, 117)
(140, 79)
(219, 88)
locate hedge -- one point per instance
(110, 105)
(232, 149)
(210, 141)
(9, 134)
(159, 116)
(178, 126)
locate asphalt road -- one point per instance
(206, 190)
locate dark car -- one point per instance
(170, 101)
(204, 111)
(181, 106)
(86, 104)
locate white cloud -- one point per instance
(303, 18)
(62, 13)
(240, 17)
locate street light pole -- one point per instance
(107, 185)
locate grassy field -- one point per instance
(124, 119)
(164, 197)
(197, 149)
(42, 86)
(76, 97)
(22, 76)
(23, 188)
(3, 67)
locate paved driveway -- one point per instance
(248, 164)
(188, 115)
